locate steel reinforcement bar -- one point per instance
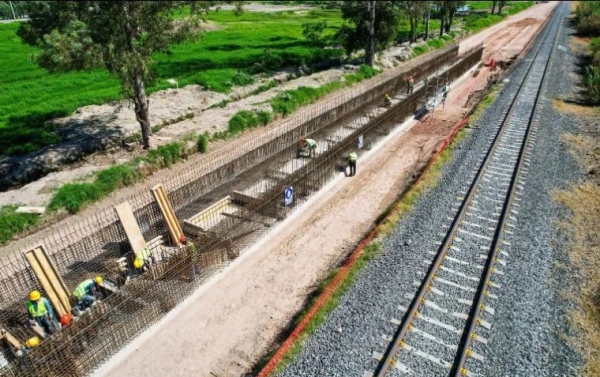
(83, 345)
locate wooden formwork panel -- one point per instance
(51, 281)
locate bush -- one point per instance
(587, 18)
(364, 72)
(242, 78)
(75, 196)
(12, 223)
(202, 143)
(245, 119)
(420, 50)
(312, 31)
(592, 83)
(436, 43)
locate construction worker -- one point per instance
(411, 84)
(40, 311)
(352, 157)
(387, 101)
(85, 293)
(307, 144)
(446, 90)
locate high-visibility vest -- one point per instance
(82, 288)
(352, 157)
(311, 143)
(37, 309)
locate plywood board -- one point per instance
(10, 339)
(167, 211)
(51, 281)
(132, 229)
(35, 210)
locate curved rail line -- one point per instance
(421, 335)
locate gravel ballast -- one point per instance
(526, 312)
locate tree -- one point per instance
(447, 12)
(369, 25)
(501, 4)
(452, 6)
(414, 11)
(427, 18)
(370, 50)
(494, 2)
(312, 31)
(122, 36)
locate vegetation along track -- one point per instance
(456, 295)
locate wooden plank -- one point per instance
(37, 269)
(214, 207)
(11, 340)
(59, 286)
(132, 229)
(167, 211)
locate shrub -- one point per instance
(242, 78)
(436, 43)
(419, 50)
(245, 119)
(75, 196)
(202, 143)
(312, 31)
(592, 83)
(12, 223)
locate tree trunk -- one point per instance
(442, 24)
(370, 52)
(427, 20)
(141, 107)
(500, 6)
(450, 18)
(494, 5)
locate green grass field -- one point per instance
(29, 95)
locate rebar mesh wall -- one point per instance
(92, 246)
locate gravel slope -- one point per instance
(343, 346)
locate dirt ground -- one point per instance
(225, 327)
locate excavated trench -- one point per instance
(225, 212)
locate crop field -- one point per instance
(29, 95)
(243, 45)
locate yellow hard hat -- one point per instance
(35, 295)
(138, 263)
(98, 279)
(32, 342)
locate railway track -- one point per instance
(455, 298)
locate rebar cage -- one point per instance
(253, 178)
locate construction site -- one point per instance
(191, 226)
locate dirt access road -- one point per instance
(227, 325)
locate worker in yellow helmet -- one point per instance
(40, 311)
(32, 342)
(85, 293)
(387, 101)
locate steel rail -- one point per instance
(389, 357)
(464, 345)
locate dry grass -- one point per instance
(583, 224)
(573, 108)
